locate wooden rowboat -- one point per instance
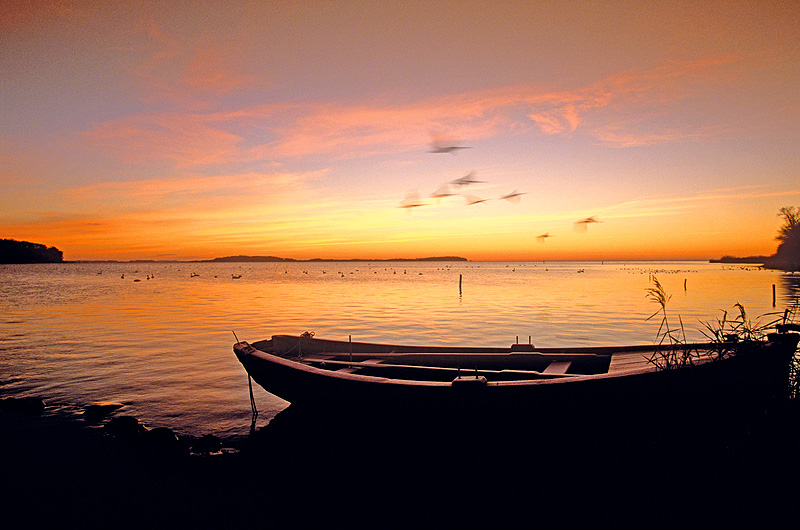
(321, 373)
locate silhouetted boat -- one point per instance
(588, 380)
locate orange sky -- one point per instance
(144, 130)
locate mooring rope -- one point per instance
(253, 407)
(252, 399)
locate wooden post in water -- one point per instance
(773, 295)
(350, 343)
(460, 277)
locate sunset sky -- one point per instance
(191, 130)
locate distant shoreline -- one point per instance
(757, 260)
(266, 259)
(752, 260)
(274, 259)
(270, 259)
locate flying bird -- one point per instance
(442, 192)
(541, 238)
(582, 224)
(452, 149)
(472, 199)
(411, 201)
(466, 180)
(440, 144)
(514, 196)
(589, 220)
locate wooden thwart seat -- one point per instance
(624, 361)
(557, 367)
(350, 368)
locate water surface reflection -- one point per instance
(77, 333)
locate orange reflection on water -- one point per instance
(158, 336)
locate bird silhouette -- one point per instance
(472, 199)
(411, 201)
(442, 192)
(440, 144)
(466, 180)
(514, 196)
(542, 237)
(452, 149)
(582, 224)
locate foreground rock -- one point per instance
(97, 412)
(125, 427)
(206, 444)
(28, 405)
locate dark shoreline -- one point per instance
(274, 259)
(310, 470)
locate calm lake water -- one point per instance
(158, 337)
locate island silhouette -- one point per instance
(251, 259)
(13, 251)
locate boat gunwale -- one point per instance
(248, 349)
(401, 349)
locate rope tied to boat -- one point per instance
(297, 346)
(253, 407)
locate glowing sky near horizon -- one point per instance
(189, 130)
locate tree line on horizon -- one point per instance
(13, 251)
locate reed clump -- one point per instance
(727, 334)
(672, 350)
(791, 316)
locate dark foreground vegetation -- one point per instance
(12, 251)
(329, 470)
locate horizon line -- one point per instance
(723, 260)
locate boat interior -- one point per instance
(518, 362)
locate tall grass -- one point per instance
(726, 334)
(672, 349)
(739, 328)
(790, 316)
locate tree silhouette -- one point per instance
(791, 219)
(787, 256)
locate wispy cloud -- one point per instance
(666, 205)
(185, 75)
(621, 110)
(209, 70)
(189, 190)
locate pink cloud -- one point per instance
(601, 110)
(185, 74)
(186, 139)
(208, 70)
(548, 123)
(621, 110)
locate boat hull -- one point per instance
(751, 379)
